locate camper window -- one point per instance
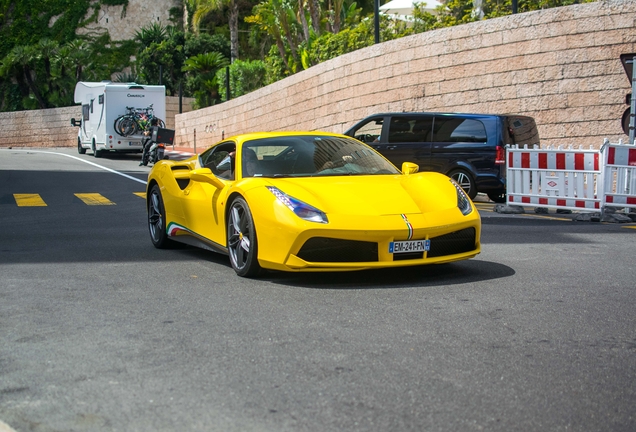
(85, 112)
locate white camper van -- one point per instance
(103, 106)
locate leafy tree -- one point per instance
(203, 42)
(455, 12)
(201, 80)
(245, 77)
(205, 7)
(161, 56)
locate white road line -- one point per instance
(88, 162)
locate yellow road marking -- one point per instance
(29, 200)
(94, 199)
(140, 194)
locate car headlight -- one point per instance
(300, 209)
(463, 202)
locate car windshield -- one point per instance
(311, 156)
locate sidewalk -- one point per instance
(188, 150)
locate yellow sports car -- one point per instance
(309, 201)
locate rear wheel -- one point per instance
(96, 152)
(157, 220)
(80, 149)
(499, 198)
(465, 180)
(241, 239)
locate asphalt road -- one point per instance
(99, 331)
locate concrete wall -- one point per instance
(52, 127)
(558, 65)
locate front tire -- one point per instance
(242, 244)
(465, 180)
(157, 220)
(80, 149)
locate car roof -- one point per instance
(258, 135)
(463, 114)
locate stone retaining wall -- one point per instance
(52, 127)
(559, 65)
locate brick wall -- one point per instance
(52, 127)
(559, 65)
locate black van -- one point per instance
(469, 148)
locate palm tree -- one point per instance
(266, 20)
(72, 58)
(155, 32)
(202, 77)
(278, 19)
(204, 7)
(21, 61)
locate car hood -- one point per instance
(373, 195)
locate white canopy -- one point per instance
(405, 7)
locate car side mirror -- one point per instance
(410, 168)
(205, 175)
(76, 123)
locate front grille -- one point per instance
(408, 256)
(323, 249)
(453, 243)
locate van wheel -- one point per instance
(498, 198)
(80, 149)
(465, 180)
(96, 152)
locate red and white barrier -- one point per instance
(620, 175)
(561, 178)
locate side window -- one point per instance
(86, 109)
(455, 129)
(370, 131)
(404, 129)
(220, 159)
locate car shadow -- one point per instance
(461, 272)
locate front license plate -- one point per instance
(410, 246)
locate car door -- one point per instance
(203, 203)
(460, 142)
(407, 138)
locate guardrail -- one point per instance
(572, 179)
(620, 175)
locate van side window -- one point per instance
(410, 129)
(86, 109)
(454, 129)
